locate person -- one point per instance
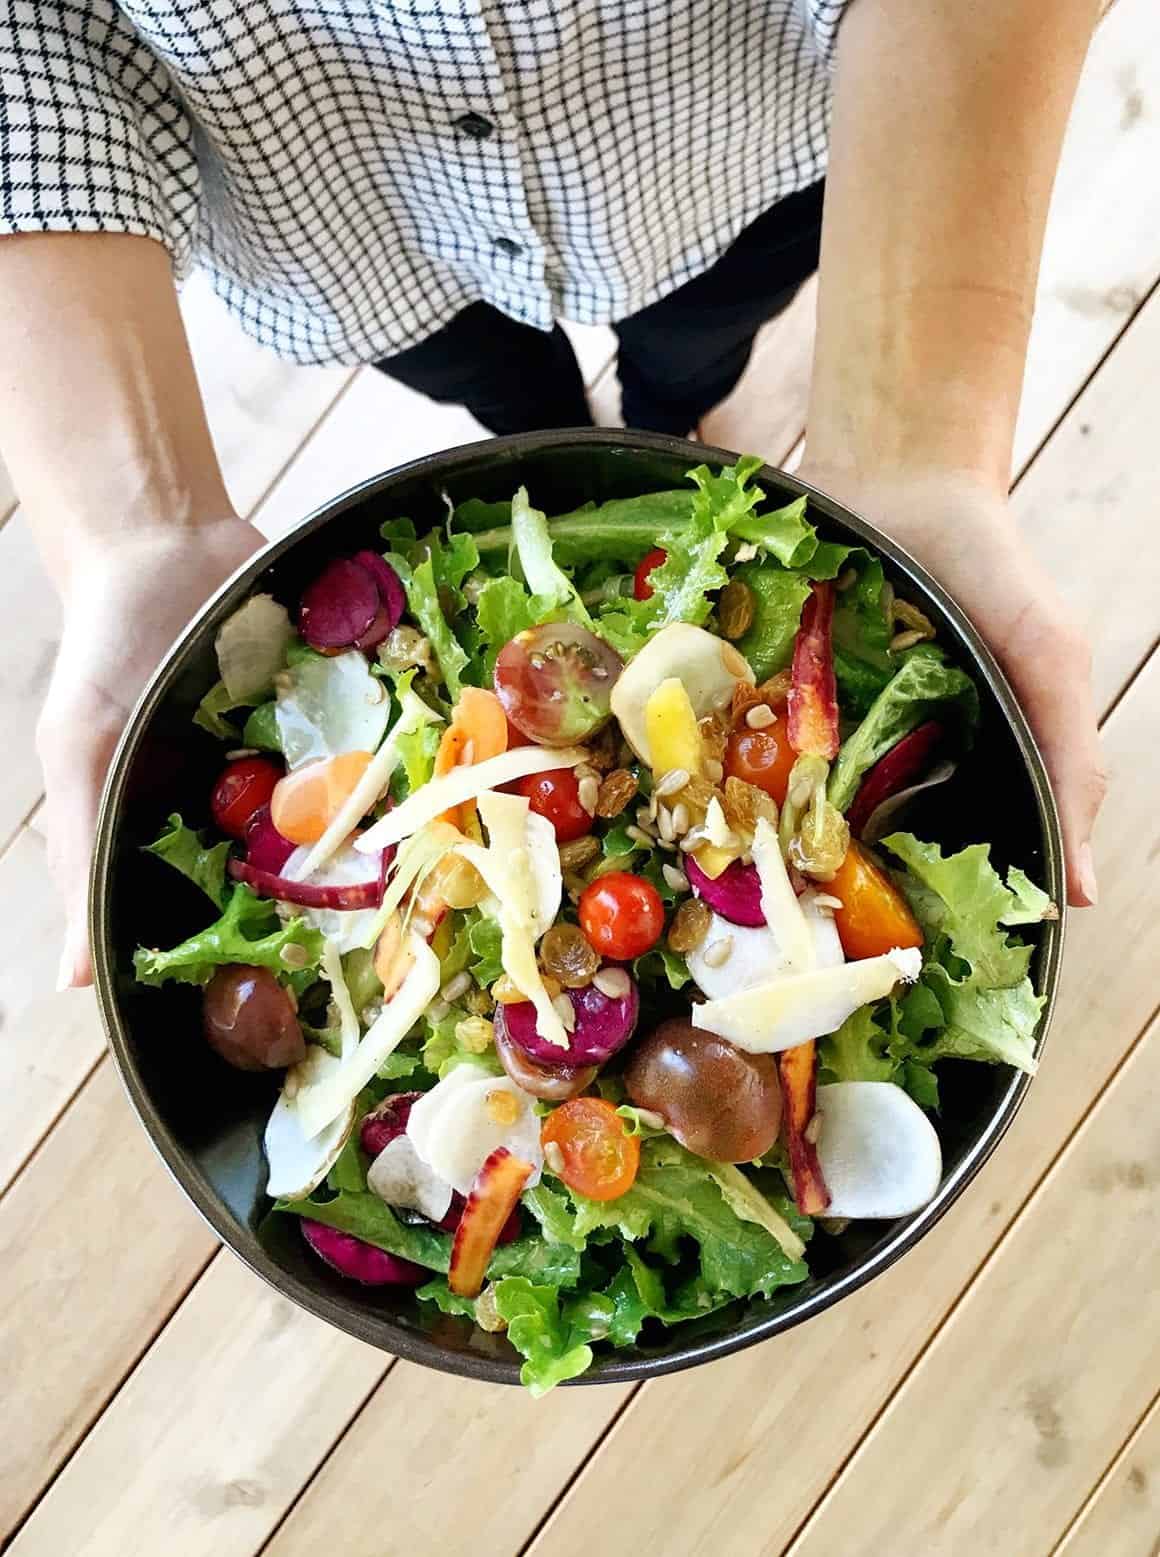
(432, 187)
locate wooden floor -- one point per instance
(996, 1392)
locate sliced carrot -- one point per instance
(874, 917)
(492, 1199)
(305, 802)
(478, 730)
(393, 956)
(798, 1071)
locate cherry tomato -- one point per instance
(762, 757)
(641, 588)
(248, 1018)
(556, 795)
(243, 788)
(621, 915)
(305, 802)
(874, 916)
(555, 682)
(601, 1159)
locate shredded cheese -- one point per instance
(783, 912)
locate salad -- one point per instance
(555, 866)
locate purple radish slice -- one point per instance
(604, 1024)
(339, 606)
(392, 597)
(735, 893)
(360, 1261)
(266, 848)
(386, 1122)
(362, 894)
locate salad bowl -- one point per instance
(207, 1120)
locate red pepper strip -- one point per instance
(813, 694)
(492, 1199)
(362, 894)
(798, 1069)
(901, 764)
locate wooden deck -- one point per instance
(996, 1392)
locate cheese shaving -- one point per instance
(783, 912)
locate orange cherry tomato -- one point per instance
(478, 730)
(245, 786)
(621, 915)
(601, 1159)
(762, 757)
(641, 588)
(874, 916)
(305, 802)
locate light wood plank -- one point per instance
(1101, 251)
(1090, 503)
(766, 1429)
(50, 1042)
(97, 1246)
(1122, 1517)
(484, 1449)
(1033, 1384)
(213, 1433)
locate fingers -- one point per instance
(75, 748)
(1054, 684)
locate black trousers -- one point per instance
(677, 358)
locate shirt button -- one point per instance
(509, 246)
(475, 125)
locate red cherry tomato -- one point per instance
(762, 757)
(641, 588)
(556, 795)
(621, 915)
(243, 788)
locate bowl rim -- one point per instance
(382, 1331)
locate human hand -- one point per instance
(125, 601)
(963, 533)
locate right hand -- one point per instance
(125, 601)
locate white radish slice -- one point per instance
(298, 1162)
(399, 1176)
(327, 706)
(251, 647)
(347, 928)
(708, 666)
(754, 955)
(878, 1151)
(782, 1013)
(456, 1133)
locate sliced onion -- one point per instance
(266, 848)
(363, 894)
(882, 818)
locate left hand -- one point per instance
(964, 534)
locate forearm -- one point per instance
(101, 421)
(948, 120)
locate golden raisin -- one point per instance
(459, 883)
(690, 925)
(578, 853)
(714, 730)
(503, 1107)
(745, 697)
(616, 791)
(820, 845)
(735, 609)
(744, 803)
(478, 1001)
(601, 750)
(505, 993)
(475, 1033)
(775, 689)
(697, 794)
(567, 954)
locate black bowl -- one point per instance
(207, 1120)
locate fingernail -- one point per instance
(1087, 875)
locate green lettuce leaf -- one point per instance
(210, 714)
(660, 963)
(417, 748)
(542, 1334)
(857, 1051)
(187, 851)
(545, 579)
(674, 1198)
(554, 1214)
(863, 664)
(778, 597)
(248, 931)
(925, 687)
(485, 940)
(261, 728)
(786, 534)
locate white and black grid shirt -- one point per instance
(353, 173)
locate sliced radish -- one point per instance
(603, 1025)
(754, 956)
(878, 1150)
(360, 1261)
(339, 606)
(460, 1122)
(399, 1176)
(883, 817)
(735, 894)
(797, 1069)
(893, 773)
(392, 598)
(493, 1197)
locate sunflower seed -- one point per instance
(813, 1129)
(290, 1085)
(675, 877)
(638, 835)
(846, 580)
(588, 792)
(714, 771)
(718, 952)
(566, 1011)
(241, 751)
(681, 818)
(554, 1157)
(613, 982)
(675, 779)
(827, 900)
(760, 716)
(454, 987)
(293, 956)
(665, 824)
(906, 640)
